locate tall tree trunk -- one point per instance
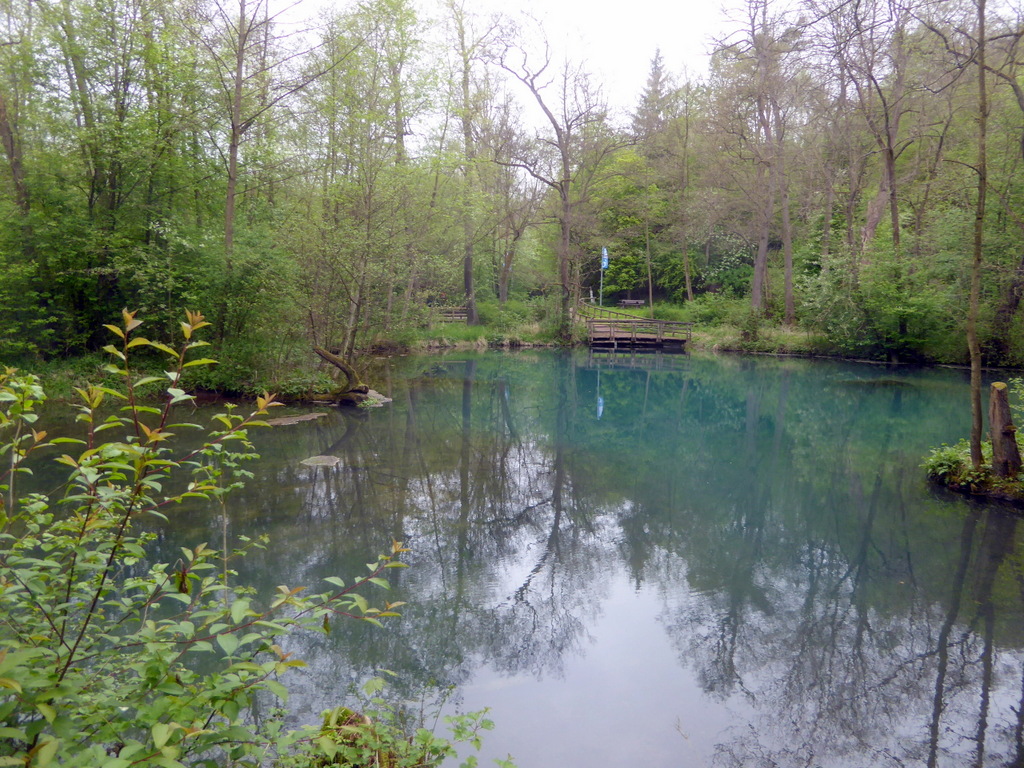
(235, 139)
(973, 345)
(759, 286)
(468, 151)
(650, 271)
(12, 150)
(787, 254)
(564, 250)
(826, 224)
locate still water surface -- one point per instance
(661, 561)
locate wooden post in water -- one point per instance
(1005, 454)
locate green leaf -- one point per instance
(14, 685)
(178, 395)
(163, 348)
(239, 609)
(161, 732)
(228, 643)
(46, 752)
(142, 409)
(373, 686)
(327, 746)
(277, 689)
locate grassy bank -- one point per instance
(720, 324)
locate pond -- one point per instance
(659, 560)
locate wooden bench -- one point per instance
(453, 314)
(626, 303)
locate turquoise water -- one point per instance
(658, 561)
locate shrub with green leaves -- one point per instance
(948, 462)
(100, 649)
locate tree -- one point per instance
(753, 71)
(255, 73)
(366, 211)
(973, 344)
(470, 48)
(570, 158)
(515, 196)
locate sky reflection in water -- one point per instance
(659, 561)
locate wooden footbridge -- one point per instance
(611, 329)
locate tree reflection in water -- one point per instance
(775, 510)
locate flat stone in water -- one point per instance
(321, 461)
(284, 421)
(375, 399)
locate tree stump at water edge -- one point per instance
(1006, 460)
(354, 392)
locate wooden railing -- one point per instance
(588, 311)
(629, 328)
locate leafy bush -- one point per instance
(98, 647)
(663, 311)
(378, 735)
(715, 309)
(885, 313)
(504, 319)
(948, 461)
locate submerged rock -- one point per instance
(321, 461)
(284, 421)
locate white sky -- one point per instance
(619, 38)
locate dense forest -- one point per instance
(850, 169)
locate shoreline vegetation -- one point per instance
(998, 475)
(948, 466)
(300, 374)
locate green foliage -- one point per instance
(670, 271)
(23, 318)
(99, 648)
(505, 317)
(750, 327)
(730, 273)
(460, 332)
(665, 311)
(381, 734)
(714, 309)
(626, 272)
(885, 312)
(948, 462)
(951, 466)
